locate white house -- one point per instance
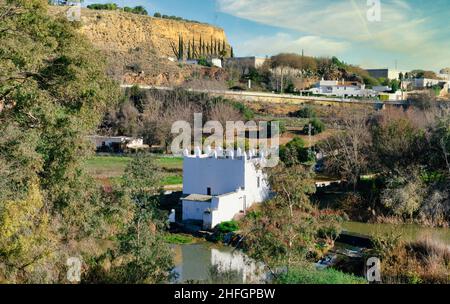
(218, 187)
(117, 143)
(341, 89)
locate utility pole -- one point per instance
(309, 137)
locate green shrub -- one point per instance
(317, 126)
(226, 227)
(306, 112)
(178, 239)
(106, 6)
(157, 15)
(204, 62)
(294, 152)
(310, 275)
(244, 110)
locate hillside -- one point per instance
(138, 47)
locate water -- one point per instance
(194, 261)
(409, 232)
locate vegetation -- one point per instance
(310, 275)
(285, 232)
(420, 262)
(406, 153)
(229, 226)
(139, 10)
(289, 71)
(151, 113)
(178, 239)
(53, 92)
(294, 152)
(159, 15)
(317, 126)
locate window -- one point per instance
(208, 191)
(258, 181)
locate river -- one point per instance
(409, 232)
(193, 262)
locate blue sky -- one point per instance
(415, 33)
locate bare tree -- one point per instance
(223, 112)
(347, 152)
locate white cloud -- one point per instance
(282, 42)
(400, 30)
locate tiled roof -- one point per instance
(197, 198)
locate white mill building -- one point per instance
(217, 187)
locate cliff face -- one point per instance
(137, 47)
(115, 30)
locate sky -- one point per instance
(412, 34)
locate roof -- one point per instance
(197, 198)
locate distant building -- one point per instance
(397, 96)
(116, 144)
(216, 188)
(384, 73)
(381, 89)
(342, 89)
(217, 62)
(245, 63)
(422, 83)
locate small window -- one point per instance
(208, 191)
(258, 181)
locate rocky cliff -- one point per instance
(125, 31)
(138, 47)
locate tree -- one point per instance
(283, 232)
(404, 193)
(397, 143)
(317, 126)
(347, 153)
(294, 152)
(27, 242)
(143, 254)
(54, 90)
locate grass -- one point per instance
(178, 239)
(172, 180)
(113, 167)
(310, 275)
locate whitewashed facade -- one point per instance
(218, 187)
(341, 89)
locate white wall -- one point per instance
(193, 210)
(255, 194)
(225, 207)
(221, 175)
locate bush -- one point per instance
(309, 275)
(306, 112)
(244, 110)
(317, 126)
(226, 227)
(106, 6)
(294, 152)
(157, 15)
(202, 61)
(178, 239)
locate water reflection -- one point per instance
(408, 232)
(193, 262)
